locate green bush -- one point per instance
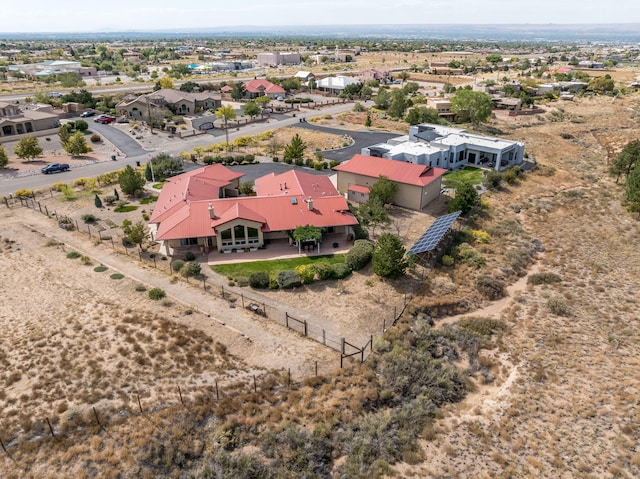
(73, 255)
(95, 138)
(360, 255)
(447, 260)
(558, 306)
(100, 269)
(288, 279)
(189, 270)
(490, 288)
(259, 280)
(340, 270)
(88, 218)
(177, 265)
(189, 256)
(306, 272)
(323, 270)
(140, 288)
(156, 294)
(116, 276)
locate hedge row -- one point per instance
(303, 274)
(360, 255)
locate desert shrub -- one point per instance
(543, 278)
(519, 258)
(464, 253)
(489, 287)
(288, 279)
(177, 265)
(100, 269)
(512, 175)
(558, 306)
(447, 260)
(23, 194)
(340, 270)
(189, 256)
(73, 255)
(58, 186)
(306, 272)
(189, 269)
(156, 294)
(95, 138)
(323, 270)
(110, 200)
(360, 255)
(481, 326)
(116, 276)
(141, 288)
(492, 179)
(242, 281)
(85, 260)
(88, 218)
(259, 280)
(480, 236)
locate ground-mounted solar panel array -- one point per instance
(430, 238)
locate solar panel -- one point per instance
(430, 238)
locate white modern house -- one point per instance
(450, 148)
(336, 84)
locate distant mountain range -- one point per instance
(609, 33)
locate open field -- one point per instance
(560, 398)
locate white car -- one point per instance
(55, 94)
(280, 98)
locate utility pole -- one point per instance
(149, 114)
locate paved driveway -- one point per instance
(125, 143)
(361, 139)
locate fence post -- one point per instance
(139, 404)
(242, 298)
(77, 227)
(394, 314)
(50, 427)
(222, 288)
(95, 413)
(341, 358)
(341, 348)
(255, 385)
(217, 391)
(113, 245)
(289, 378)
(316, 368)
(324, 338)
(180, 394)
(305, 327)
(40, 207)
(371, 342)
(286, 317)
(89, 230)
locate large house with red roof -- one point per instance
(202, 208)
(261, 87)
(418, 185)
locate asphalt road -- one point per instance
(135, 153)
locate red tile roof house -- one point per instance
(260, 87)
(418, 185)
(199, 208)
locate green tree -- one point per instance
(28, 148)
(251, 109)
(367, 122)
(398, 104)
(97, 201)
(382, 99)
(474, 106)
(84, 97)
(246, 188)
(190, 269)
(422, 114)
(81, 125)
(312, 84)
(372, 214)
(4, 158)
(76, 145)
(238, 92)
(189, 86)
(262, 101)
(632, 190)
(494, 58)
(626, 160)
(295, 150)
(403, 76)
(165, 166)
(389, 257)
(226, 113)
(130, 180)
(70, 79)
(64, 133)
(135, 233)
(603, 84)
(165, 82)
(383, 190)
(466, 197)
(116, 195)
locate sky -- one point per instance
(130, 15)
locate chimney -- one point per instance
(211, 213)
(310, 203)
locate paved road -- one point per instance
(124, 143)
(361, 139)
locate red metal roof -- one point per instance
(398, 171)
(294, 182)
(259, 85)
(359, 189)
(201, 184)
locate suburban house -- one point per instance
(450, 148)
(418, 185)
(278, 58)
(443, 106)
(304, 76)
(382, 76)
(178, 102)
(335, 85)
(261, 87)
(20, 119)
(201, 208)
(132, 57)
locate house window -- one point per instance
(188, 241)
(252, 236)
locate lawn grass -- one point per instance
(125, 209)
(468, 173)
(148, 199)
(245, 270)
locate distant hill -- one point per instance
(616, 33)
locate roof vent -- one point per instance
(212, 214)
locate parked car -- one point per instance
(55, 94)
(55, 168)
(86, 114)
(280, 98)
(105, 119)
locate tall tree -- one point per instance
(295, 150)
(632, 191)
(262, 101)
(372, 214)
(403, 75)
(165, 82)
(466, 197)
(76, 145)
(382, 99)
(28, 148)
(136, 233)
(626, 160)
(398, 104)
(251, 109)
(383, 190)
(238, 92)
(474, 106)
(389, 257)
(226, 113)
(130, 180)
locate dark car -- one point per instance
(55, 168)
(87, 114)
